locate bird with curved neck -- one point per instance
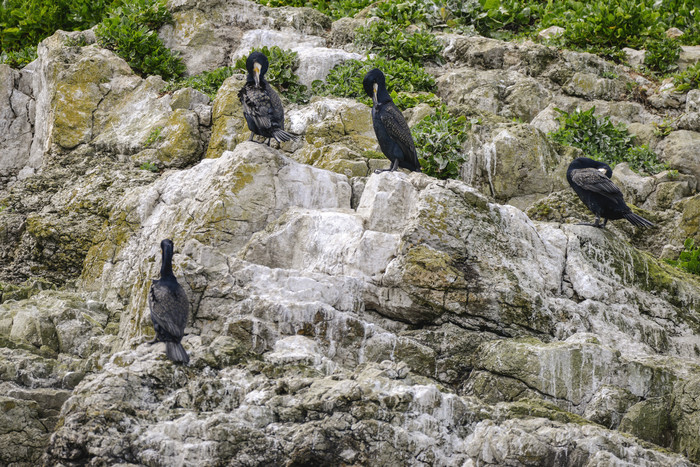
(262, 107)
(390, 126)
(169, 307)
(590, 179)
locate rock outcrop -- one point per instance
(338, 316)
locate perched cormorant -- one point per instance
(590, 180)
(389, 125)
(169, 307)
(262, 107)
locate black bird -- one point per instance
(169, 307)
(590, 180)
(262, 107)
(389, 125)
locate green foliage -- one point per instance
(663, 129)
(207, 82)
(130, 31)
(689, 259)
(600, 139)
(688, 79)
(439, 139)
(614, 23)
(333, 8)
(25, 23)
(154, 136)
(18, 58)
(150, 166)
(345, 79)
(406, 100)
(390, 41)
(283, 64)
(661, 56)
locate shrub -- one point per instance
(600, 139)
(345, 79)
(283, 64)
(688, 79)
(390, 41)
(439, 139)
(207, 82)
(129, 30)
(689, 259)
(333, 8)
(661, 56)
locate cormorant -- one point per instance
(590, 180)
(389, 125)
(262, 107)
(169, 307)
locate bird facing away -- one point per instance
(169, 307)
(590, 180)
(262, 107)
(389, 125)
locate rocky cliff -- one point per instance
(338, 317)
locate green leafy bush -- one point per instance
(689, 259)
(333, 8)
(207, 82)
(661, 56)
(18, 58)
(390, 41)
(688, 79)
(130, 31)
(25, 23)
(439, 139)
(283, 64)
(600, 139)
(345, 79)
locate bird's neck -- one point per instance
(251, 80)
(383, 96)
(166, 267)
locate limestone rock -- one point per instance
(680, 151)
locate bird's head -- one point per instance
(375, 86)
(257, 65)
(587, 163)
(167, 245)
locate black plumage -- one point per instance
(169, 307)
(390, 126)
(262, 107)
(590, 180)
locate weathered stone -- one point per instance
(634, 57)
(690, 55)
(228, 124)
(590, 86)
(649, 420)
(680, 151)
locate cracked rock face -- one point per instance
(338, 316)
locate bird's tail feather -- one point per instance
(281, 135)
(176, 352)
(639, 221)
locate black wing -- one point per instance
(398, 130)
(263, 106)
(169, 307)
(596, 181)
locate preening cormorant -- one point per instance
(169, 307)
(389, 125)
(262, 107)
(590, 180)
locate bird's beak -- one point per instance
(602, 170)
(256, 73)
(374, 96)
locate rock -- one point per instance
(608, 406)
(590, 86)
(680, 151)
(16, 122)
(692, 102)
(634, 57)
(673, 33)
(515, 161)
(649, 420)
(550, 33)
(228, 124)
(690, 55)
